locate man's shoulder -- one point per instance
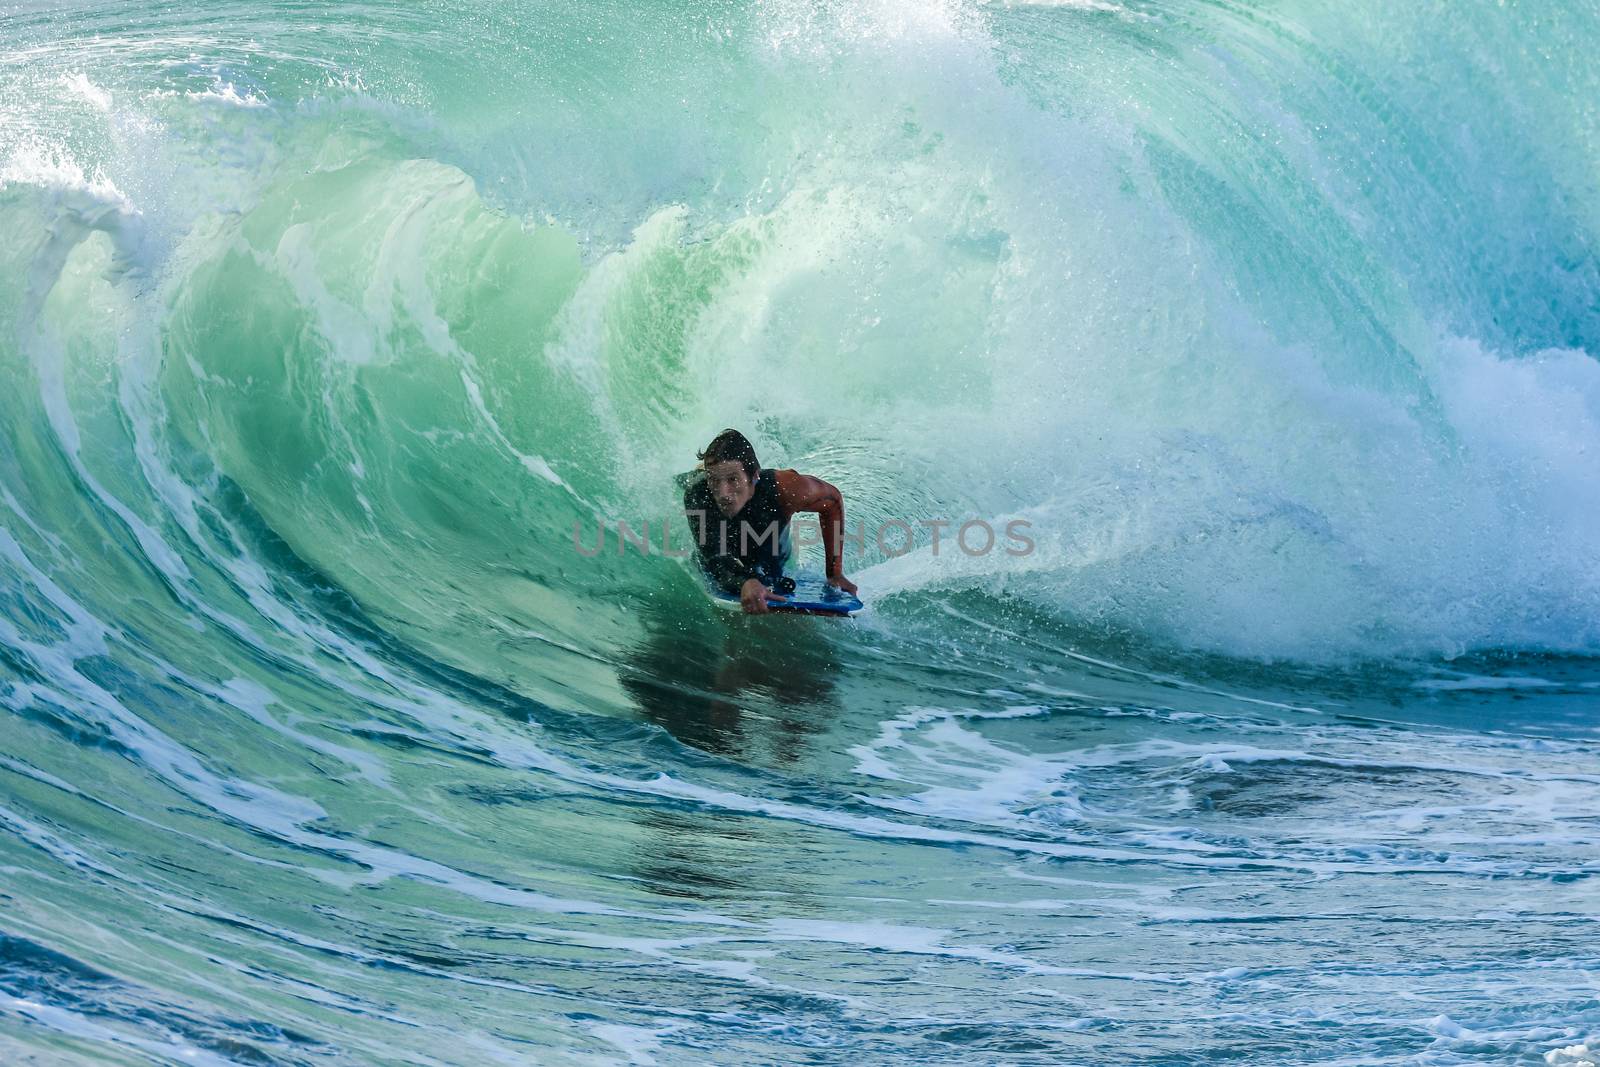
(796, 488)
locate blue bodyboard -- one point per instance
(812, 596)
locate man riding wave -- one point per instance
(739, 518)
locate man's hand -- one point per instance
(841, 582)
(754, 597)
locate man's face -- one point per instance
(730, 486)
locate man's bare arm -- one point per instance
(801, 492)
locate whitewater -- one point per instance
(324, 330)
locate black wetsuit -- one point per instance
(751, 544)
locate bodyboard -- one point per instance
(812, 596)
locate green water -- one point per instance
(325, 329)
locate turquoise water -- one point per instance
(321, 328)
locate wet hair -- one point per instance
(730, 444)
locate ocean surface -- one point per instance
(332, 335)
